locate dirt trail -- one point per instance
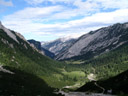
(100, 87)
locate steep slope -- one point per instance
(16, 48)
(26, 58)
(23, 84)
(97, 42)
(37, 44)
(23, 68)
(59, 45)
(116, 85)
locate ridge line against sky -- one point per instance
(45, 20)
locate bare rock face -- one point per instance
(9, 33)
(37, 45)
(15, 36)
(59, 45)
(97, 42)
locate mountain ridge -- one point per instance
(59, 45)
(96, 42)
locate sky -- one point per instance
(46, 20)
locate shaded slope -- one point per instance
(118, 85)
(24, 67)
(20, 55)
(24, 57)
(23, 84)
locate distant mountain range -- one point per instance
(89, 45)
(96, 42)
(59, 45)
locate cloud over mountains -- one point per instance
(58, 18)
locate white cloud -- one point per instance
(36, 2)
(83, 8)
(6, 3)
(72, 28)
(102, 18)
(37, 12)
(88, 7)
(33, 20)
(112, 3)
(101, 4)
(87, 4)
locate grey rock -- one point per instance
(59, 45)
(44, 51)
(97, 42)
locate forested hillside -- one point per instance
(17, 54)
(106, 65)
(23, 67)
(104, 69)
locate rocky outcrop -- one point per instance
(9, 33)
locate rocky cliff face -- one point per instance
(59, 45)
(8, 32)
(97, 42)
(37, 44)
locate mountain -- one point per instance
(97, 42)
(59, 45)
(23, 69)
(103, 68)
(116, 85)
(37, 44)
